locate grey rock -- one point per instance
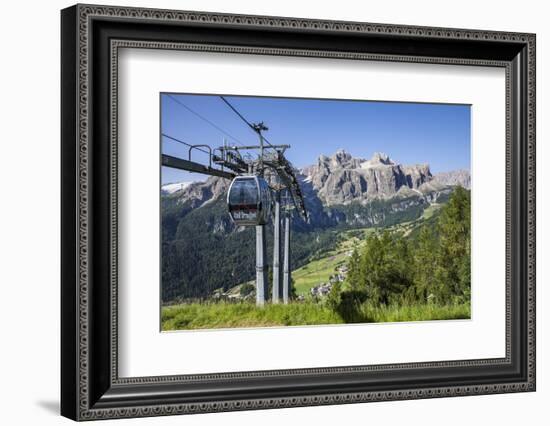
(199, 193)
(341, 179)
(454, 178)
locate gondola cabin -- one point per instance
(249, 201)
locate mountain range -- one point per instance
(340, 192)
(335, 182)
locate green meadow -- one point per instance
(211, 315)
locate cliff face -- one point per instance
(343, 189)
(341, 179)
(454, 178)
(202, 246)
(196, 193)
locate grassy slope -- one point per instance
(426, 312)
(316, 272)
(242, 315)
(430, 211)
(319, 271)
(231, 315)
(245, 314)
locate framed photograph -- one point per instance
(263, 212)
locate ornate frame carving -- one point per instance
(85, 396)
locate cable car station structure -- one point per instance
(262, 188)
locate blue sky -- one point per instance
(409, 133)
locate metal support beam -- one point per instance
(191, 166)
(261, 272)
(286, 260)
(248, 147)
(276, 249)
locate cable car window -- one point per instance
(244, 192)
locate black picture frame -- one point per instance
(90, 386)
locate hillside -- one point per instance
(203, 251)
(412, 271)
(320, 271)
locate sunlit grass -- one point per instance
(319, 271)
(425, 312)
(316, 272)
(430, 211)
(213, 315)
(244, 314)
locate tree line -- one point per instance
(432, 265)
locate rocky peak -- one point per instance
(199, 193)
(341, 178)
(341, 159)
(454, 178)
(381, 158)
